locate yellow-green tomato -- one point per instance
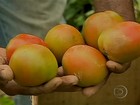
(95, 24)
(33, 65)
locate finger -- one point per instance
(51, 85)
(70, 80)
(69, 84)
(3, 52)
(2, 60)
(89, 91)
(60, 71)
(6, 73)
(2, 56)
(46, 88)
(12, 88)
(116, 67)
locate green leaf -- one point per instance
(5, 100)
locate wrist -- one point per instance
(123, 7)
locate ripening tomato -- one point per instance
(85, 62)
(95, 24)
(22, 39)
(61, 37)
(33, 65)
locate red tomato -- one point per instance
(22, 39)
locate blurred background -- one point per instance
(75, 14)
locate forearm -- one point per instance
(123, 7)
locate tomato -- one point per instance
(22, 39)
(33, 65)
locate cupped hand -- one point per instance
(113, 67)
(63, 83)
(60, 83)
(72, 80)
(69, 84)
(10, 87)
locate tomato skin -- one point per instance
(22, 39)
(85, 62)
(121, 43)
(61, 37)
(33, 65)
(98, 22)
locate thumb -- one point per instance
(69, 83)
(70, 80)
(89, 91)
(3, 58)
(6, 73)
(117, 67)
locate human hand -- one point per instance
(117, 67)
(61, 83)
(89, 91)
(6, 73)
(113, 67)
(10, 87)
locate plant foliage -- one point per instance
(78, 10)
